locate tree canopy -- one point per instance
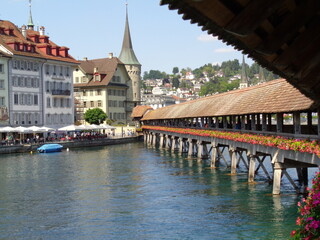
(95, 116)
(154, 74)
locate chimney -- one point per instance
(110, 55)
(95, 70)
(41, 30)
(24, 31)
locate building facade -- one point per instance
(4, 97)
(39, 77)
(103, 83)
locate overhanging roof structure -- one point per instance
(282, 36)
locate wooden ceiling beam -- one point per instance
(286, 30)
(300, 44)
(252, 16)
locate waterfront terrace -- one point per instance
(271, 120)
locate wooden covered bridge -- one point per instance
(271, 120)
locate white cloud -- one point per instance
(224, 50)
(206, 38)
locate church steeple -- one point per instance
(127, 55)
(30, 22)
(262, 77)
(244, 78)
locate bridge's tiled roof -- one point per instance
(271, 97)
(140, 110)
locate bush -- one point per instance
(309, 220)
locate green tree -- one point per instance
(175, 82)
(183, 72)
(95, 116)
(175, 70)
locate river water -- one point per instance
(132, 192)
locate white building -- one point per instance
(39, 77)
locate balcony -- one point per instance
(61, 92)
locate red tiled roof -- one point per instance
(16, 36)
(106, 67)
(271, 97)
(140, 110)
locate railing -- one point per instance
(61, 92)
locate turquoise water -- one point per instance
(133, 192)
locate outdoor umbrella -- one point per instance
(71, 128)
(7, 129)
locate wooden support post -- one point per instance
(181, 145)
(253, 122)
(161, 140)
(233, 157)
(264, 122)
(234, 122)
(200, 149)
(269, 122)
(296, 123)
(214, 155)
(210, 122)
(190, 150)
(309, 119)
(167, 142)
(279, 122)
(154, 140)
(145, 137)
(224, 122)
(277, 175)
(173, 143)
(216, 122)
(243, 122)
(252, 166)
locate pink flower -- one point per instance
(314, 224)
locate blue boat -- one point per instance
(51, 147)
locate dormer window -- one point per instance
(48, 50)
(25, 48)
(17, 46)
(97, 78)
(32, 49)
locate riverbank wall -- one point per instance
(21, 148)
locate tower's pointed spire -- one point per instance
(127, 55)
(244, 78)
(262, 77)
(30, 22)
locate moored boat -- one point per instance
(51, 147)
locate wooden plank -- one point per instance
(298, 47)
(252, 16)
(289, 27)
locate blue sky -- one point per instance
(161, 38)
